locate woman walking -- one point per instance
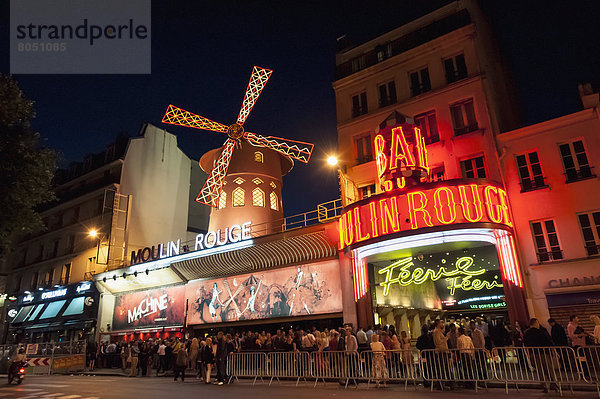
(194, 348)
(208, 359)
(380, 371)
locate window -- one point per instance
(274, 201)
(238, 196)
(23, 313)
(258, 156)
(75, 306)
(52, 309)
(359, 63)
(258, 197)
(55, 249)
(387, 94)
(71, 247)
(575, 161)
(34, 280)
(65, 274)
(49, 277)
(41, 253)
(437, 173)
(530, 171)
(359, 104)
(383, 52)
(364, 149)
(222, 200)
(366, 191)
(427, 122)
(419, 82)
(75, 218)
(463, 117)
(473, 168)
(257, 181)
(17, 282)
(239, 180)
(546, 241)
(456, 68)
(109, 154)
(590, 228)
(35, 312)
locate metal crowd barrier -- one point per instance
(401, 365)
(247, 365)
(340, 365)
(589, 361)
(288, 365)
(467, 366)
(552, 367)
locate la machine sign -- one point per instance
(158, 307)
(211, 239)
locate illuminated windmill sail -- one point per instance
(211, 190)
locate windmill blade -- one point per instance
(258, 80)
(298, 150)
(211, 190)
(181, 117)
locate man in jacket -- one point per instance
(541, 354)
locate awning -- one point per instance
(270, 251)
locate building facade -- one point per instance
(113, 203)
(443, 74)
(549, 174)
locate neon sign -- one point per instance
(55, 293)
(403, 273)
(400, 154)
(451, 203)
(211, 239)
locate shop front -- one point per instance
(60, 314)
(156, 313)
(434, 250)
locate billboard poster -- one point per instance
(292, 291)
(151, 308)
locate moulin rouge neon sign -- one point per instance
(431, 206)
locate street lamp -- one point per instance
(93, 233)
(332, 160)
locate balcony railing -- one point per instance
(583, 173)
(547, 256)
(592, 249)
(535, 184)
(459, 131)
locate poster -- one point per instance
(156, 307)
(292, 291)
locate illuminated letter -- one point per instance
(374, 230)
(347, 232)
(209, 243)
(246, 230)
(224, 241)
(400, 151)
(421, 150)
(389, 217)
(359, 236)
(413, 209)
(341, 228)
(235, 237)
(380, 157)
(465, 204)
(504, 206)
(449, 203)
(494, 210)
(199, 239)
(174, 249)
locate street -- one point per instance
(114, 387)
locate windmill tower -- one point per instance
(255, 156)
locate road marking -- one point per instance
(52, 395)
(70, 397)
(48, 385)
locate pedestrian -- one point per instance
(596, 333)
(541, 354)
(181, 362)
(424, 345)
(92, 351)
(124, 354)
(380, 372)
(575, 332)
(194, 348)
(466, 356)
(361, 337)
(557, 333)
(134, 352)
(221, 358)
(143, 358)
(208, 359)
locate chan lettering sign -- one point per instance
(432, 205)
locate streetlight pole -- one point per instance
(344, 183)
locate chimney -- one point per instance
(589, 98)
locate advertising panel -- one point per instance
(453, 280)
(156, 307)
(292, 291)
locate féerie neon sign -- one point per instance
(403, 273)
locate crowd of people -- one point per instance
(468, 337)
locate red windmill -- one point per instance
(211, 190)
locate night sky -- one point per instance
(203, 53)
